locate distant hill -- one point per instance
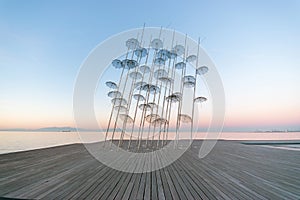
(56, 129)
(15, 129)
(53, 129)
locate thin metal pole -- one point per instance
(122, 94)
(130, 93)
(147, 99)
(193, 105)
(158, 101)
(112, 109)
(128, 108)
(164, 97)
(181, 92)
(169, 103)
(159, 131)
(142, 122)
(154, 98)
(137, 103)
(171, 92)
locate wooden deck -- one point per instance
(231, 171)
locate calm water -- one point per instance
(21, 141)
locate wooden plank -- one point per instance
(154, 194)
(142, 185)
(231, 171)
(165, 185)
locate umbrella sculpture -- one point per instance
(145, 92)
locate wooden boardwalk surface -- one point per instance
(231, 171)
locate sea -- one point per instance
(22, 141)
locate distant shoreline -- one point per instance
(262, 143)
(71, 129)
(18, 140)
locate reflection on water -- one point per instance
(291, 147)
(21, 141)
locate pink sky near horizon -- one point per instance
(238, 119)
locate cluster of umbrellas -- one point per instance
(144, 97)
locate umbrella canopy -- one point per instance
(180, 65)
(200, 99)
(141, 52)
(132, 43)
(129, 64)
(189, 84)
(153, 106)
(178, 94)
(163, 54)
(126, 118)
(117, 63)
(156, 44)
(185, 118)
(139, 97)
(159, 61)
(202, 70)
(191, 58)
(160, 73)
(151, 117)
(114, 94)
(144, 106)
(135, 75)
(189, 78)
(138, 85)
(173, 98)
(159, 121)
(150, 88)
(173, 54)
(154, 89)
(179, 49)
(144, 69)
(120, 108)
(119, 101)
(166, 80)
(111, 84)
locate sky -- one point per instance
(255, 46)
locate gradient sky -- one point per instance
(254, 44)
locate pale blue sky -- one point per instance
(254, 44)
